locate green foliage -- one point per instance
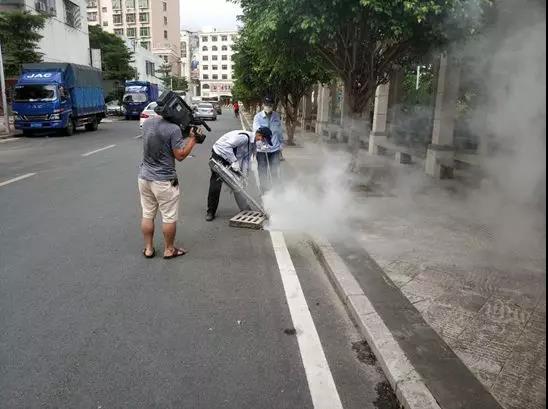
(171, 81)
(362, 40)
(19, 35)
(115, 55)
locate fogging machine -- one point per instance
(235, 183)
(174, 109)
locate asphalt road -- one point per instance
(87, 322)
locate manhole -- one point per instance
(248, 219)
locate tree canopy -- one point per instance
(19, 35)
(116, 57)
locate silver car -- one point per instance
(206, 110)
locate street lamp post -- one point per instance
(3, 90)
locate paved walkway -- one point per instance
(473, 268)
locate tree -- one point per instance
(362, 40)
(19, 35)
(274, 62)
(116, 57)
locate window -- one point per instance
(206, 67)
(215, 77)
(145, 45)
(48, 7)
(224, 38)
(130, 4)
(131, 32)
(214, 67)
(225, 77)
(214, 38)
(150, 67)
(92, 4)
(143, 17)
(214, 57)
(72, 14)
(104, 9)
(204, 48)
(92, 16)
(165, 34)
(205, 77)
(164, 5)
(205, 58)
(165, 21)
(117, 4)
(224, 67)
(105, 23)
(130, 18)
(204, 39)
(143, 4)
(117, 19)
(119, 31)
(224, 48)
(205, 86)
(224, 57)
(144, 32)
(214, 48)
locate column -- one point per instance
(380, 120)
(323, 110)
(440, 157)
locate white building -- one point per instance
(189, 60)
(145, 62)
(65, 36)
(216, 65)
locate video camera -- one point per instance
(174, 109)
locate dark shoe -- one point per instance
(175, 253)
(151, 255)
(210, 217)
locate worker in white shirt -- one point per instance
(235, 150)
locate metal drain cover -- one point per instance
(248, 219)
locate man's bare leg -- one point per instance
(147, 227)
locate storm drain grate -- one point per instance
(248, 219)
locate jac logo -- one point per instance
(38, 75)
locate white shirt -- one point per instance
(236, 146)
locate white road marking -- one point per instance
(18, 178)
(98, 150)
(320, 380)
(9, 140)
(138, 136)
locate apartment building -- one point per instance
(190, 42)
(216, 63)
(153, 24)
(66, 26)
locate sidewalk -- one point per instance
(478, 281)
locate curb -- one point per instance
(408, 385)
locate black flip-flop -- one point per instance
(149, 255)
(177, 253)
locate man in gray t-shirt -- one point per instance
(158, 184)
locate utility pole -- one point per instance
(3, 86)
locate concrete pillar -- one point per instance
(323, 109)
(306, 117)
(380, 120)
(440, 157)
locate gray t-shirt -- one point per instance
(160, 137)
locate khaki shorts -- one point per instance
(159, 195)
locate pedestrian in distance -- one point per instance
(269, 156)
(236, 108)
(234, 150)
(158, 182)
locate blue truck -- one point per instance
(137, 95)
(58, 97)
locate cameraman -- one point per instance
(234, 149)
(158, 184)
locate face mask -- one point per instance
(260, 145)
(267, 109)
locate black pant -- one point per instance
(215, 186)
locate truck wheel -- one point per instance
(92, 126)
(69, 130)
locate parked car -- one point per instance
(218, 108)
(114, 108)
(206, 110)
(147, 113)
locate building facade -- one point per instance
(145, 62)
(66, 26)
(153, 24)
(189, 60)
(216, 66)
